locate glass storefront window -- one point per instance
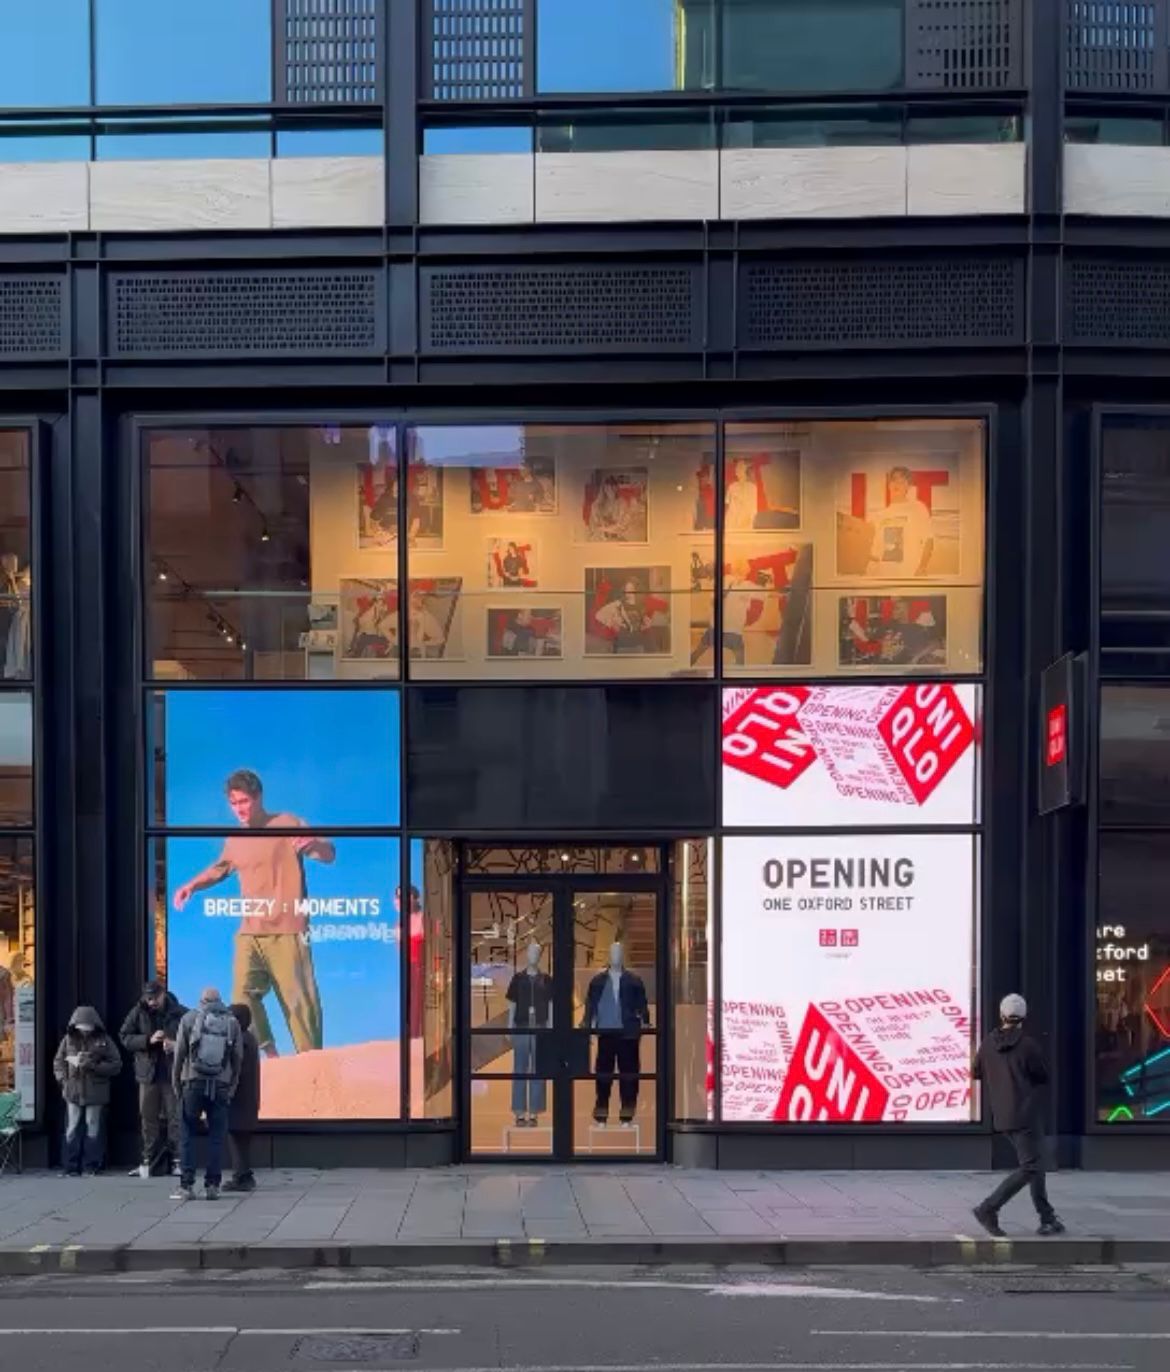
(273, 552)
(692, 977)
(1135, 515)
(16, 646)
(849, 978)
(18, 970)
(305, 930)
(1135, 755)
(624, 45)
(851, 546)
(1133, 979)
(45, 49)
(561, 550)
(431, 982)
(798, 45)
(16, 757)
(169, 52)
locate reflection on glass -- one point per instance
(1135, 755)
(18, 970)
(328, 758)
(24, 142)
(561, 550)
(476, 138)
(305, 931)
(332, 141)
(1133, 979)
(692, 989)
(432, 1007)
(129, 143)
(1134, 130)
(16, 752)
(274, 553)
(511, 937)
(850, 545)
(615, 131)
(813, 128)
(964, 128)
(1135, 515)
(15, 549)
(624, 45)
(45, 49)
(539, 859)
(168, 52)
(812, 45)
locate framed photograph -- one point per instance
(512, 564)
(767, 604)
(368, 615)
(703, 509)
(627, 611)
(424, 507)
(528, 489)
(615, 506)
(377, 506)
(898, 519)
(436, 618)
(762, 491)
(526, 633)
(892, 631)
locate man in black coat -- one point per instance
(245, 1108)
(1011, 1067)
(149, 1032)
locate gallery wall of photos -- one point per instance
(566, 550)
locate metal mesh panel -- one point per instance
(1113, 46)
(964, 44)
(328, 52)
(31, 316)
(221, 313)
(479, 49)
(1117, 302)
(831, 304)
(583, 308)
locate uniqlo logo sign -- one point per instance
(761, 736)
(827, 1081)
(850, 938)
(843, 755)
(1057, 749)
(828, 938)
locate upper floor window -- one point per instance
(625, 45)
(44, 53)
(170, 52)
(1135, 514)
(812, 45)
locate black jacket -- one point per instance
(1011, 1067)
(631, 998)
(137, 1029)
(245, 1109)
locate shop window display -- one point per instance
(18, 963)
(273, 553)
(851, 547)
(562, 550)
(291, 905)
(16, 647)
(431, 981)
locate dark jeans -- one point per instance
(621, 1049)
(198, 1101)
(240, 1141)
(1030, 1155)
(158, 1107)
(83, 1137)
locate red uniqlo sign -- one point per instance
(1057, 749)
(849, 754)
(827, 1080)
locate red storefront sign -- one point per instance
(827, 1081)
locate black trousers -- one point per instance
(621, 1050)
(240, 1141)
(1030, 1173)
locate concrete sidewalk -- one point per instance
(502, 1215)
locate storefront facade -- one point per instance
(692, 804)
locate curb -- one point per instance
(527, 1253)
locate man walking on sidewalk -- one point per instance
(1011, 1067)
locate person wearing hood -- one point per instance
(1011, 1067)
(87, 1060)
(208, 1057)
(149, 1032)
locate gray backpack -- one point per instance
(211, 1040)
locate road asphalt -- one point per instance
(611, 1319)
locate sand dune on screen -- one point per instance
(355, 1083)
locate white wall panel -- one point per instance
(813, 183)
(468, 188)
(328, 192)
(1109, 179)
(44, 197)
(614, 186)
(967, 178)
(216, 193)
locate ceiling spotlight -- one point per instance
(264, 534)
(162, 576)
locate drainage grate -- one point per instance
(357, 1349)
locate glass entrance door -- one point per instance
(562, 1048)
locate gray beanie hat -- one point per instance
(1013, 1007)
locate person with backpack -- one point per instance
(208, 1059)
(149, 1032)
(87, 1060)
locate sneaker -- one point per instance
(987, 1219)
(1050, 1227)
(183, 1193)
(142, 1170)
(176, 1169)
(238, 1186)
(211, 1192)
(93, 1172)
